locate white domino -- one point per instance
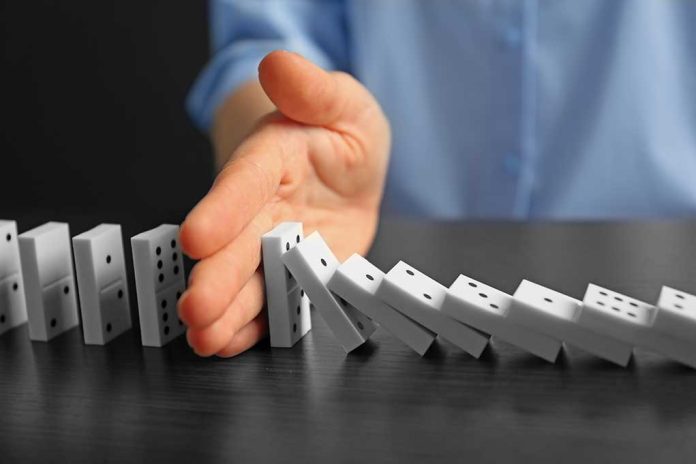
(632, 321)
(288, 306)
(13, 307)
(312, 263)
(357, 281)
(556, 315)
(616, 315)
(49, 282)
(102, 283)
(159, 282)
(487, 309)
(676, 315)
(419, 297)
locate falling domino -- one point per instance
(312, 263)
(632, 321)
(488, 309)
(13, 308)
(556, 315)
(356, 281)
(419, 297)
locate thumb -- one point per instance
(307, 94)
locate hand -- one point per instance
(321, 159)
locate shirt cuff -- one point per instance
(233, 66)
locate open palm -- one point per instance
(320, 159)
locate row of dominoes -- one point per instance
(37, 283)
(353, 296)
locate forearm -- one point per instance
(236, 118)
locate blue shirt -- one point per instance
(499, 109)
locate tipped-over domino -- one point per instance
(288, 306)
(159, 282)
(357, 281)
(13, 308)
(312, 263)
(102, 283)
(49, 283)
(419, 297)
(556, 315)
(632, 321)
(487, 309)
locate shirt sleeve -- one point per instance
(244, 31)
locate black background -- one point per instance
(93, 107)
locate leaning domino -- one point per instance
(556, 315)
(102, 283)
(13, 307)
(159, 282)
(288, 306)
(356, 281)
(49, 282)
(676, 315)
(487, 309)
(420, 298)
(632, 322)
(312, 263)
(616, 315)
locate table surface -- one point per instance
(63, 401)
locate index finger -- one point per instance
(246, 183)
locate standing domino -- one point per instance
(288, 306)
(556, 315)
(47, 266)
(312, 263)
(159, 282)
(13, 307)
(420, 298)
(488, 309)
(356, 281)
(103, 288)
(632, 322)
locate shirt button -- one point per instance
(512, 164)
(512, 36)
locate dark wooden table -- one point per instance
(63, 401)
